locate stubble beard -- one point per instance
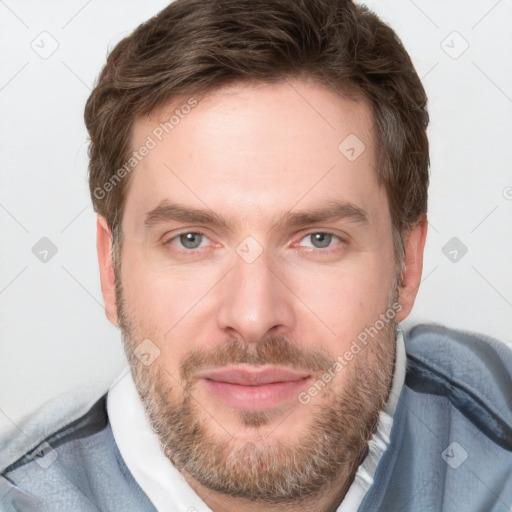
(270, 471)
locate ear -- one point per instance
(414, 243)
(107, 278)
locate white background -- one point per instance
(54, 334)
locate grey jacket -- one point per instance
(450, 450)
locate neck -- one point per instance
(328, 499)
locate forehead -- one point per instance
(257, 148)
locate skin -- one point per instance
(252, 152)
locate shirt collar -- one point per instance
(380, 440)
(166, 487)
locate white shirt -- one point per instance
(164, 484)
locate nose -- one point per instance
(255, 300)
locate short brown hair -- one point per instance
(196, 46)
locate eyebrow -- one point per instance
(331, 211)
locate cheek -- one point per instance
(347, 299)
(160, 301)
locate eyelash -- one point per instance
(327, 250)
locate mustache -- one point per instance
(273, 351)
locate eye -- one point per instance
(321, 239)
(190, 241)
(187, 241)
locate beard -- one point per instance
(268, 470)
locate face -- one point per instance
(256, 252)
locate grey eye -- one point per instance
(320, 240)
(191, 240)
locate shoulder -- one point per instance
(471, 370)
(74, 467)
(55, 422)
(83, 427)
(451, 439)
(49, 440)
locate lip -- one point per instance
(252, 387)
(250, 375)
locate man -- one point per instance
(260, 173)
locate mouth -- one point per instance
(254, 388)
